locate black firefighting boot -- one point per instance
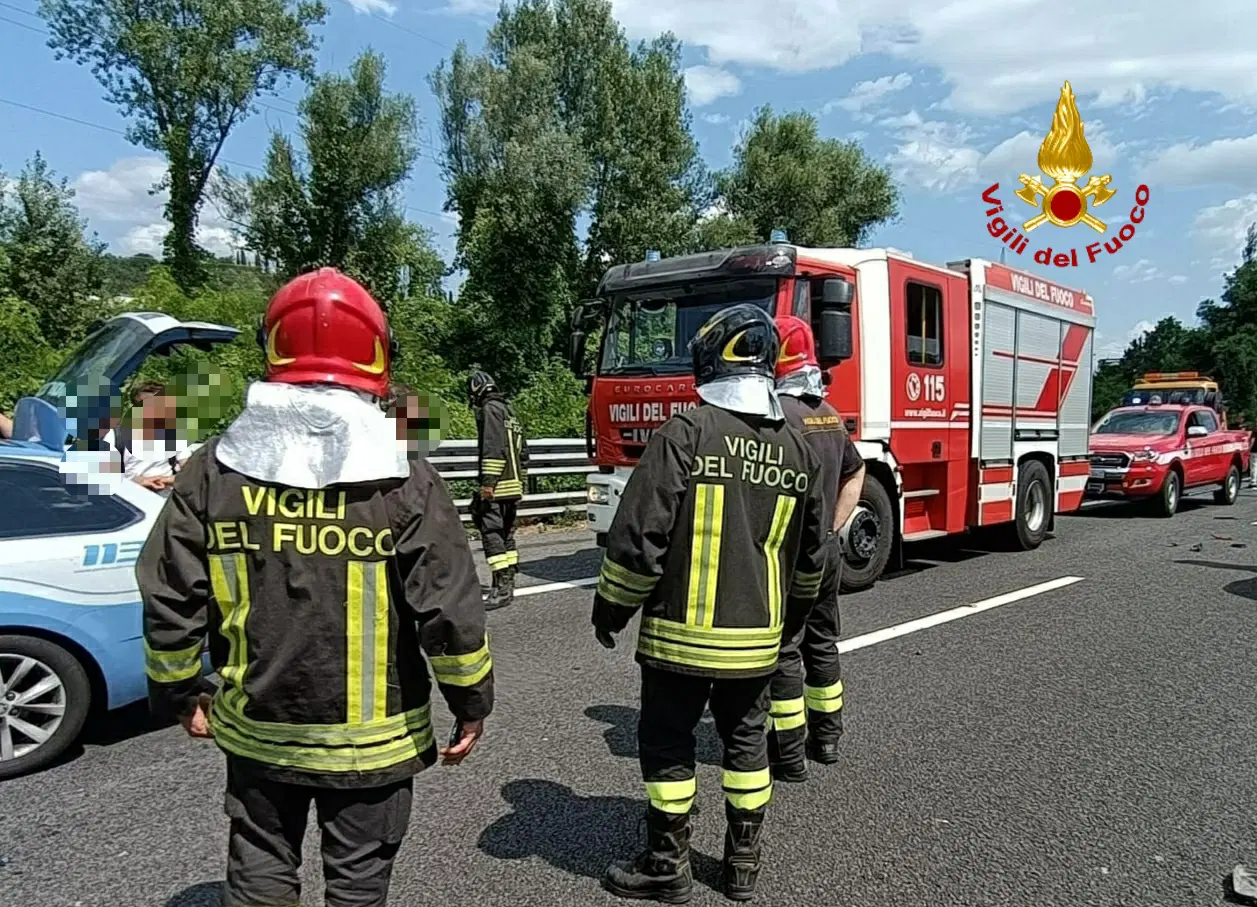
(786, 755)
(661, 872)
(741, 862)
(503, 591)
(824, 732)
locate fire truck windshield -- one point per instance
(1141, 423)
(649, 331)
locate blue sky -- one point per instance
(952, 95)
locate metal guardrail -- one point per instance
(456, 460)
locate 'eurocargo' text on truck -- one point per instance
(966, 388)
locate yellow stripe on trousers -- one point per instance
(366, 632)
(772, 555)
(709, 515)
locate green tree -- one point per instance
(558, 118)
(48, 262)
(340, 203)
(822, 192)
(186, 73)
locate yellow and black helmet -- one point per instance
(740, 340)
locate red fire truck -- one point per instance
(967, 388)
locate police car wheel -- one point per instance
(45, 697)
(867, 557)
(1230, 490)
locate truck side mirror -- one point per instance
(834, 342)
(836, 293)
(576, 351)
(1196, 431)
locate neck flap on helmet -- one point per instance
(806, 382)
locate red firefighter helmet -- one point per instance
(798, 348)
(323, 327)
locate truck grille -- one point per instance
(1110, 460)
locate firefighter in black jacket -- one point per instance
(807, 688)
(318, 561)
(719, 539)
(503, 459)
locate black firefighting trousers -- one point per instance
(672, 706)
(362, 830)
(495, 521)
(807, 687)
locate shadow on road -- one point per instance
(111, 728)
(576, 834)
(560, 567)
(621, 736)
(1124, 510)
(202, 894)
(1244, 588)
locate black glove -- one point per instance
(609, 619)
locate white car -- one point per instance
(70, 615)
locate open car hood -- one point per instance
(75, 403)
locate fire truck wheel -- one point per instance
(1171, 491)
(870, 538)
(1034, 507)
(1230, 489)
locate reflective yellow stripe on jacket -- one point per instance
(712, 648)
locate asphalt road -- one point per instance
(1091, 745)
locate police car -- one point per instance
(70, 615)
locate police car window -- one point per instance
(924, 324)
(37, 503)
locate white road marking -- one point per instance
(933, 620)
(556, 587)
(877, 636)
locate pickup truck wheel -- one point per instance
(870, 537)
(1034, 505)
(1171, 491)
(45, 697)
(1230, 489)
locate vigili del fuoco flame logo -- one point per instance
(1064, 158)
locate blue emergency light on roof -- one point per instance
(652, 254)
(777, 236)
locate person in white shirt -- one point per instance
(150, 450)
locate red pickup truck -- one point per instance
(1155, 453)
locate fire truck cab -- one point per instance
(966, 388)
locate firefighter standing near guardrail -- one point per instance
(719, 538)
(319, 560)
(807, 688)
(503, 460)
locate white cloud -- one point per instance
(1141, 271)
(1124, 52)
(1223, 162)
(1225, 227)
(122, 207)
(715, 119)
(1110, 348)
(943, 156)
(373, 6)
(932, 154)
(1178, 279)
(471, 7)
(866, 94)
(710, 83)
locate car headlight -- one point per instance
(596, 494)
(1144, 455)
